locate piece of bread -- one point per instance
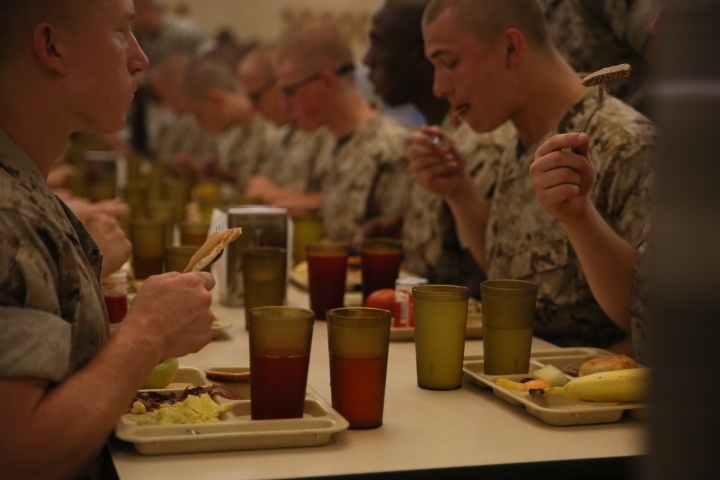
(606, 363)
(212, 248)
(606, 74)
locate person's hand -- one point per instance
(435, 162)
(383, 226)
(85, 210)
(111, 240)
(184, 162)
(264, 188)
(562, 176)
(171, 312)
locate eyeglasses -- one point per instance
(290, 90)
(257, 94)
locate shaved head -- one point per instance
(488, 19)
(204, 75)
(319, 47)
(19, 17)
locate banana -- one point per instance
(629, 385)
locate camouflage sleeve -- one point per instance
(34, 340)
(629, 20)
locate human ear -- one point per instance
(48, 49)
(514, 47)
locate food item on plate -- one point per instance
(551, 374)
(383, 298)
(162, 374)
(193, 409)
(628, 385)
(606, 363)
(212, 247)
(227, 376)
(522, 386)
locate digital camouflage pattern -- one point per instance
(182, 134)
(245, 150)
(593, 34)
(431, 247)
(301, 160)
(525, 242)
(176, 34)
(367, 177)
(52, 313)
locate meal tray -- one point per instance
(559, 411)
(235, 430)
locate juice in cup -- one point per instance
(380, 265)
(281, 391)
(327, 272)
(359, 390)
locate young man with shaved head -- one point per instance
(494, 62)
(367, 176)
(70, 66)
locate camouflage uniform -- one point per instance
(182, 134)
(246, 150)
(176, 34)
(368, 177)
(431, 247)
(525, 242)
(592, 34)
(52, 313)
(301, 160)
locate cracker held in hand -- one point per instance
(606, 74)
(212, 248)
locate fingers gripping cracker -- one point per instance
(212, 247)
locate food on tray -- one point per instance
(212, 247)
(382, 298)
(606, 363)
(162, 374)
(629, 385)
(551, 374)
(153, 400)
(193, 409)
(523, 386)
(227, 376)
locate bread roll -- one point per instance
(606, 363)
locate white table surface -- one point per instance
(422, 429)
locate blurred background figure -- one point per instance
(302, 157)
(179, 134)
(593, 34)
(221, 105)
(367, 176)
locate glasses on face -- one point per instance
(290, 90)
(257, 94)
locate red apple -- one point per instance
(383, 298)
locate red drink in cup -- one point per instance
(279, 389)
(327, 272)
(380, 264)
(359, 390)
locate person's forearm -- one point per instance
(470, 210)
(608, 263)
(64, 428)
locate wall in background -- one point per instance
(269, 19)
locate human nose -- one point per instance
(441, 85)
(137, 60)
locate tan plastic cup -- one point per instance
(280, 340)
(148, 241)
(380, 265)
(508, 311)
(264, 271)
(358, 340)
(306, 229)
(177, 257)
(165, 211)
(193, 233)
(440, 326)
(327, 274)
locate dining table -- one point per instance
(467, 432)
